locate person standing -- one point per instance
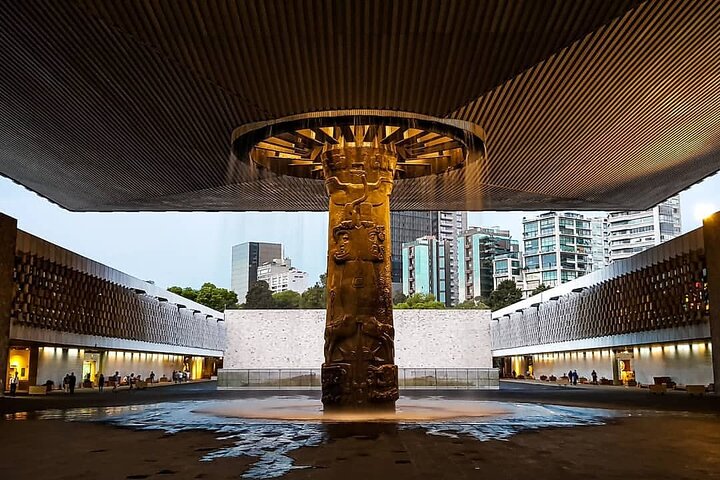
(594, 377)
(14, 380)
(116, 381)
(71, 382)
(575, 377)
(66, 382)
(101, 382)
(152, 376)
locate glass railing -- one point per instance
(408, 378)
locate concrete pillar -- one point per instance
(8, 239)
(711, 236)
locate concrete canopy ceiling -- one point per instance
(121, 106)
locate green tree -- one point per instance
(209, 295)
(541, 288)
(216, 298)
(315, 296)
(259, 296)
(286, 300)
(472, 304)
(399, 297)
(505, 294)
(187, 292)
(422, 301)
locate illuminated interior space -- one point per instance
(686, 363)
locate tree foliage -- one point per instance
(209, 295)
(399, 297)
(259, 296)
(286, 300)
(505, 294)
(421, 301)
(315, 296)
(472, 304)
(540, 288)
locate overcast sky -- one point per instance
(189, 249)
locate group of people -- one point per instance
(69, 382)
(131, 380)
(179, 377)
(573, 376)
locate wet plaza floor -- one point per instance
(431, 436)
(293, 422)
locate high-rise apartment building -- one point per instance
(507, 267)
(246, 258)
(448, 227)
(600, 244)
(557, 248)
(443, 225)
(478, 247)
(406, 227)
(633, 232)
(425, 267)
(280, 276)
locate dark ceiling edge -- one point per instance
(51, 201)
(149, 210)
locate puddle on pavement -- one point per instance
(271, 428)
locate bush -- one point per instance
(552, 378)
(543, 377)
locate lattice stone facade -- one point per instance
(662, 288)
(61, 291)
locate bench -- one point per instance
(563, 381)
(658, 389)
(664, 381)
(140, 384)
(695, 389)
(37, 390)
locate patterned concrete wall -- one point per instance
(260, 339)
(62, 292)
(661, 289)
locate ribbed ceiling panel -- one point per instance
(110, 105)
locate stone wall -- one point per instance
(273, 339)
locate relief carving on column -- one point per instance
(359, 348)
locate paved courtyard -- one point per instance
(568, 432)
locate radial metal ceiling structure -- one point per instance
(121, 106)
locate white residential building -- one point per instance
(557, 248)
(280, 275)
(507, 267)
(600, 257)
(633, 232)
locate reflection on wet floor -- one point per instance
(297, 421)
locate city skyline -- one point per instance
(191, 248)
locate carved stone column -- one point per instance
(359, 369)
(358, 154)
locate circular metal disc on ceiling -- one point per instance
(424, 145)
